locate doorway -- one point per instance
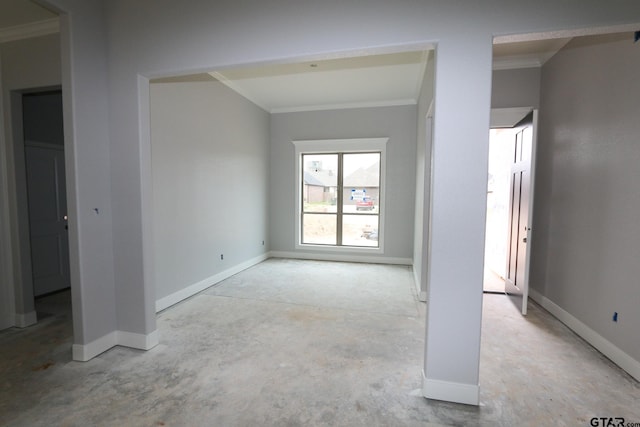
(500, 158)
(46, 191)
(509, 207)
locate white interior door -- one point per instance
(47, 217)
(520, 213)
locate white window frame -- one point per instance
(330, 146)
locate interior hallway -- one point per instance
(295, 343)
(492, 282)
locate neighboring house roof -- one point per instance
(364, 177)
(321, 178)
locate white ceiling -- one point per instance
(364, 81)
(20, 12)
(526, 54)
(20, 19)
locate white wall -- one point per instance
(423, 179)
(210, 158)
(585, 252)
(88, 159)
(516, 88)
(148, 38)
(26, 64)
(396, 123)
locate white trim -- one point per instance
(615, 354)
(300, 108)
(7, 298)
(468, 394)
(193, 289)
(424, 61)
(340, 257)
(508, 117)
(238, 89)
(516, 62)
(32, 29)
(422, 295)
(351, 145)
(139, 341)
(345, 106)
(576, 32)
(361, 250)
(530, 213)
(23, 320)
(86, 352)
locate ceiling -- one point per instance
(366, 81)
(20, 12)
(526, 54)
(20, 19)
(363, 81)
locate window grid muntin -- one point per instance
(339, 198)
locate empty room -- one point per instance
(269, 215)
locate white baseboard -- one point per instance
(86, 352)
(341, 257)
(23, 320)
(422, 295)
(139, 341)
(615, 354)
(468, 394)
(191, 290)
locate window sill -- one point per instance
(339, 249)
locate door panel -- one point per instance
(516, 285)
(47, 218)
(523, 228)
(513, 241)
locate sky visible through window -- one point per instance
(330, 162)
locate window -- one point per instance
(340, 193)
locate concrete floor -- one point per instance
(492, 282)
(305, 343)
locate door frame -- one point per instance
(532, 173)
(510, 118)
(43, 285)
(530, 234)
(23, 304)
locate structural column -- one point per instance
(458, 210)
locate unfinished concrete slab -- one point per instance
(305, 343)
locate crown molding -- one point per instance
(32, 29)
(345, 106)
(517, 61)
(229, 83)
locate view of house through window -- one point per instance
(340, 199)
